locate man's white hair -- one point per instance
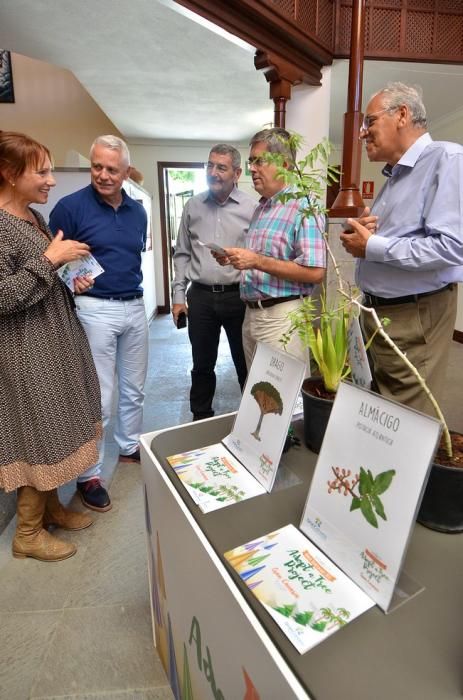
(115, 144)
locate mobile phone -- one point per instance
(346, 227)
(181, 320)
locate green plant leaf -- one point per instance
(383, 481)
(365, 482)
(355, 503)
(367, 512)
(378, 506)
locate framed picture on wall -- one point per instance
(6, 77)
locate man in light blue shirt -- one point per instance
(410, 249)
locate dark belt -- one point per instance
(130, 298)
(264, 303)
(218, 288)
(372, 301)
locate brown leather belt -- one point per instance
(265, 303)
(371, 300)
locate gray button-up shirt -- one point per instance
(206, 220)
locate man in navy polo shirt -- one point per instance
(112, 311)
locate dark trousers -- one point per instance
(207, 312)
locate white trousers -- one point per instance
(118, 335)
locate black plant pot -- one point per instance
(442, 505)
(316, 413)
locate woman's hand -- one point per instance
(62, 251)
(82, 284)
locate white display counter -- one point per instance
(215, 639)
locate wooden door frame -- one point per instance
(164, 165)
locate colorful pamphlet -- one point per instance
(305, 593)
(79, 268)
(213, 477)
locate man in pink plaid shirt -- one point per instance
(284, 256)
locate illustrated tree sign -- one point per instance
(370, 488)
(269, 401)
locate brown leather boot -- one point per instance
(31, 540)
(56, 514)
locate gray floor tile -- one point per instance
(100, 649)
(114, 570)
(164, 693)
(23, 643)
(27, 584)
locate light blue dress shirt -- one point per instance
(418, 245)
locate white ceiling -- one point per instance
(159, 75)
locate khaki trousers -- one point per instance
(423, 330)
(268, 325)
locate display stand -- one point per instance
(216, 641)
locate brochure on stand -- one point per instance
(79, 268)
(367, 486)
(306, 594)
(245, 463)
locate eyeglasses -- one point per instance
(369, 119)
(256, 161)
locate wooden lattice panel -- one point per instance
(385, 3)
(406, 29)
(384, 29)
(344, 28)
(306, 16)
(326, 22)
(449, 34)
(420, 4)
(455, 6)
(419, 32)
(286, 7)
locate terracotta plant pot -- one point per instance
(317, 411)
(442, 505)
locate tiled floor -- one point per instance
(81, 629)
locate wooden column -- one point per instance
(349, 201)
(281, 76)
(280, 92)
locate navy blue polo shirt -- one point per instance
(116, 238)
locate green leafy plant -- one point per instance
(324, 330)
(370, 488)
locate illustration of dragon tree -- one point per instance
(269, 401)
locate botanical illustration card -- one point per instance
(265, 412)
(303, 591)
(213, 477)
(367, 486)
(79, 268)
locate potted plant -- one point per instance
(324, 331)
(323, 328)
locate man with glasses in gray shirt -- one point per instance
(206, 292)
(410, 249)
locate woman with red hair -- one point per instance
(49, 392)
